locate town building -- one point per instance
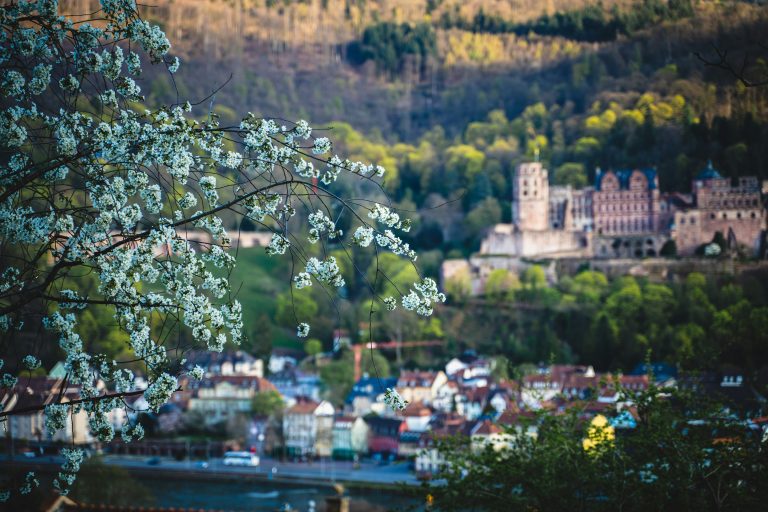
(367, 396)
(420, 386)
(417, 417)
(219, 397)
(41, 391)
(308, 428)
(384, 434)
(350, 437)
(231, 362)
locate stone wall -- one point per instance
(696, 227)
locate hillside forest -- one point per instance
(450, 96)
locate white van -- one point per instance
(241, 459)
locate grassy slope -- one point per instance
(256, 281)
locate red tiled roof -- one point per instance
(417, 409)
(411, 379)
(486, 428)
(303, 406)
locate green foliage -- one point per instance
(313, 347)
(98, 482)
(592, 23)
(571, 173)
(338, 376)
(386, 44)
(501, 285)
(682, 455)
(267, 403)
(697, 323)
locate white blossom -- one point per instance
(160, 391)
(302, 330)
(31, 362)
(393, 400)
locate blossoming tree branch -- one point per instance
(95, 186)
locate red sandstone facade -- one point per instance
(626, 202)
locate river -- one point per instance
(253, 496)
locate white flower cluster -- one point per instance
(326, 271)
(8, 381)
(422, 301)
(100, 425)
(363, 236)
(208, 186)
(259, 206)
(302, 280)
(302, 330)
(278, 245)
(390, 303)
(393, 400)
(160, 391)
(73, 457)
(128, 433)
(196, 373)
(320, 223)
(395, 244)
(389, 218)
(31, 362)
(321, 146)
(30, 482)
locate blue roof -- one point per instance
(370, 387)
(661, 371)
(709, 173)
(624, 174)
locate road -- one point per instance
(318, 472)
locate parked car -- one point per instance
(241, 459)
(154, 461)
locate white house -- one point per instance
(219, 397)
(350, 437)
(418, 386)
(308, 428)
(417, 417)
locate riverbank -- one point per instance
(369, 476)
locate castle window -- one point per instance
(682, 220)
(525, 192)
(693, 220)
(725, 215)
(711, 215)
(738, 215)
(753, 215)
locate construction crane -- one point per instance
(358, 349)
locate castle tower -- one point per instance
(530, 197)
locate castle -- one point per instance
(624, 215)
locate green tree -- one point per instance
(501, 285)
(571, 173)
(313, 347)
(484, 215)
(260, 340)
(267, 403)
(338, 376)
(666, 461)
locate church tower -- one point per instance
(530, 197)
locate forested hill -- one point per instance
(402, 66)
(450, 95)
